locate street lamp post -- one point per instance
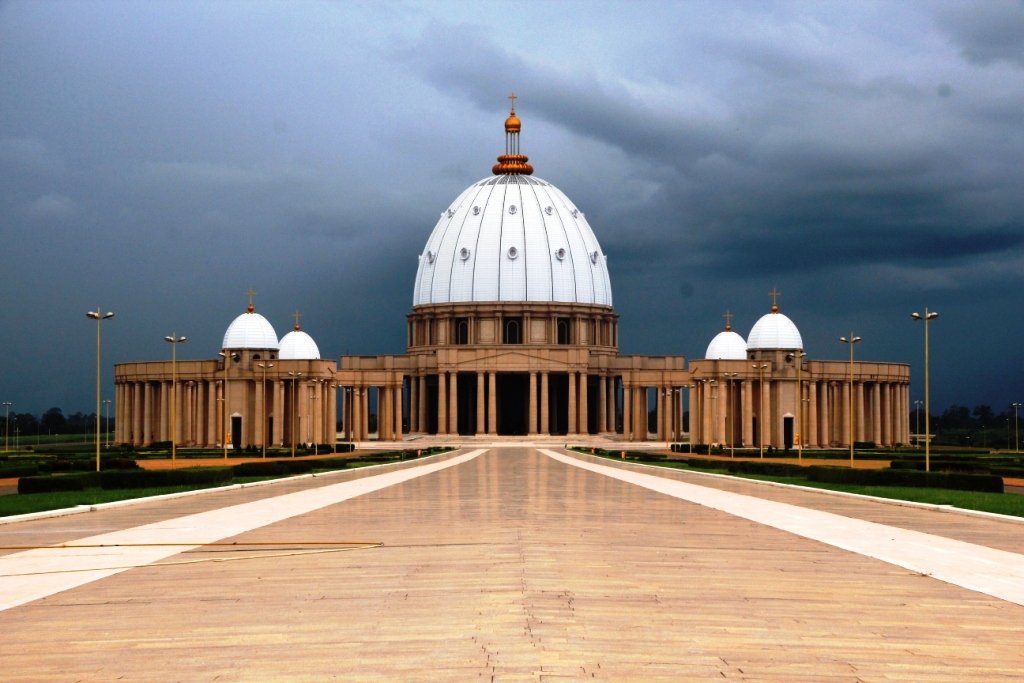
(760, 367)
(173, 339)
(99, 316)
(312, 423)
(850, 412)
(928, 315)
(7, 425)
(295, 408)
(729, 377)
(798, 356)
(263, 416)
(106, 405)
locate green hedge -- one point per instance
(18, 470)
(902, 477)
(60, 482)
(141, 479)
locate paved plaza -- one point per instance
(513, 563)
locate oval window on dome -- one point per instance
(560, 253)
(512, 209)
(575, 213)
(431, 256)
(513, 253)
(464, 253)
(593, 257)
(549, 210)
(450, 213)
(476, 210)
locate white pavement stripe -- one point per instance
(38, 573)
(997, 573)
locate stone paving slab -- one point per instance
(515, 567)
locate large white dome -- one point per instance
(512, 237)
(727, 345)
(297, 345)
(774, 331)
(250, 331)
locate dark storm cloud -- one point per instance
(160, 159)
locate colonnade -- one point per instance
(289, 408)
(729, 412)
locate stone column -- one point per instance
(442, 402)
(876, 413)
(572, 429)
(627, 411)
(492, 403)
(602, 404)
(481, 404)
(422, 405)
(144, 408)
(812, 415)
(584, 420)
(453, 410)
(532, 429)
(860, 414)
(545, 424)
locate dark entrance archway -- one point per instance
(466, 421)
(558, 403)
(513, 403)
(236, 432)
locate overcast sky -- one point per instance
(158, 159)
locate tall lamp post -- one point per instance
(850, 413)
(312, 411)
(263, 392)
(760, 367)
(99, 316)
(928, 315)
(729, 377)
(7, 425)
(173, 339)
(1016, 432)
(295, 408)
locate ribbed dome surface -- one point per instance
(512, 237)
(250, 331)
(297, 345)
(774, 331)
(727, 345)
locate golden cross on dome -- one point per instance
(728, 320)
(251, 294)
(297, 315)
(512, 97)
(775, 299)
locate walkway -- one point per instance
(504, 564)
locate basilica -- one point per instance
(512, 333)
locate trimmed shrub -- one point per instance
(60, 482)
(138, 479)
(18, 470)
(903, 477)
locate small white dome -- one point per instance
(297, 345)
(250, 331)
(727, 345)
(774, 331)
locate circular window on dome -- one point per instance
(560, 253)
(450, 213)
(513, 253)
(575, 213)
(431, 256)
(476, 210)
(593, 256)
(464, 253)
(512, 209)
(549, 210)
